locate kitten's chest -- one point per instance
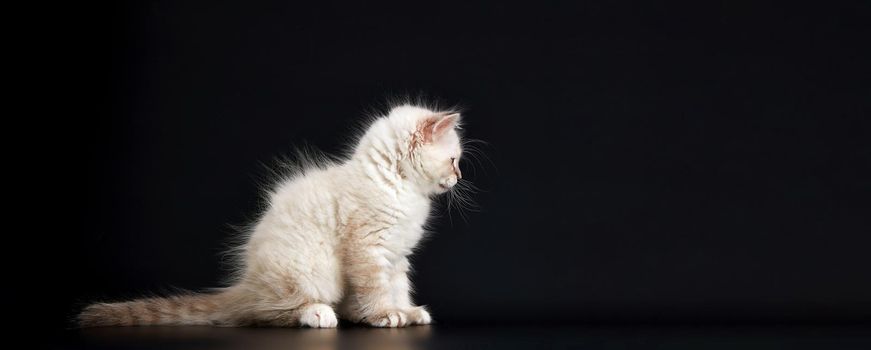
(408, 225)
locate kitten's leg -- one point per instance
(370, 296)
(289, 295)
(401, 287)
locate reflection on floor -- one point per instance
(474, 337)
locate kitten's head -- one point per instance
(433, 147)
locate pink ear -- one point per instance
(435, 127)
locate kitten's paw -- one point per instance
(318, 316)
(389, 319)
(418, 315)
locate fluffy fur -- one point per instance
(334, 241)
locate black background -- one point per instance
(651, 162)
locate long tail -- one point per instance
(191, 309)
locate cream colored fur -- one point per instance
(334, 241)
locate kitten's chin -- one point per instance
(446, 185)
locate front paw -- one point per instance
(418, 315)
(318, 316)
(390, 319)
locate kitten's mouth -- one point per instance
(444, 187)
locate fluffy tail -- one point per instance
(192, 309)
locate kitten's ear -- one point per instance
(436, 126)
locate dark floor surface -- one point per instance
(446, 336)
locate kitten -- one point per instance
(334, 239)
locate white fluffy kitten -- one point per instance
(335, 238)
